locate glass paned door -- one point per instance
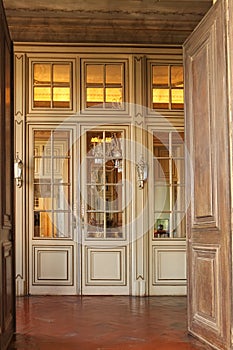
(105, 233)
(169, 186)
(51, 187)
(105, 170)
(52, 184)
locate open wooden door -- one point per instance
(7, 294)
(208, 217)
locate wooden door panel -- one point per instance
(208, 217)
(7, 295)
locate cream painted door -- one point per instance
(51, 188)
(105, 235)
(167, 242)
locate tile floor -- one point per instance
(102, 323)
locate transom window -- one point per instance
(104, 85)
(52, 85)
(52, 184)
(167, 87)
(105, 173)
(169, 185)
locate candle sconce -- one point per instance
(18, 171)
(142, 172)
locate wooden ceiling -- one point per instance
(104, 21)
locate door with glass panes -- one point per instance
(167, 243)
(105, 211)
(52, 234)
(68, 255)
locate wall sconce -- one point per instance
(142, 172)
(18, 171)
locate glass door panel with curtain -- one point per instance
(105, 237)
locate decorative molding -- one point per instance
(139, 119)
(19, 118)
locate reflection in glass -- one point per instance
(167, 87)
(179, 225)
(104, 189)
(43, 224)
(61, 73)
(61, 199)
(104, 85)
(94, 74)
(169, 181)
(177, 78)
(42, 73)
(161, 198)
(61, 171)
(51, 85)
(160, 75)
(114, 74)
(161, 98)
(52, 184)
(62, 224)
(42, 97)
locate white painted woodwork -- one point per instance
(53, 265)
(168, 267)
(106, 266)
(80, 266)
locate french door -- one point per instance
(78, 211)
(105, 234)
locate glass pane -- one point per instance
(177, 98)
(178, 171)
(179, 225)
(162, 227)
(178, 198)
(114, 95)
(177, 145)
(160, 139)
(95, 97)
(42, 97)
(61, 199)
(95, 198)
(114, 144)
(114, 225)
(114, 74)
(113, 171)
(95, 138)
(94, 74)
(61, 171)
(95, 171)
(41, 74)
(161, 98)
(161, 171)
(161, 198)
(95, 227)
(42, 170)
(61, 97)
(42, 142)
(177, 79)
(42, 197)
(62, 225)
(61, 73)
(160, 75)
(113, 198)
(61, 143)
(43, 226)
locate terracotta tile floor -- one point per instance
(102, 323)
